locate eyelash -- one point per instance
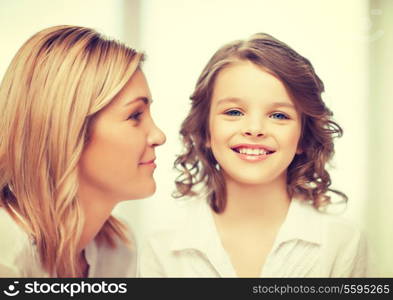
(135, 116)
(229, 112)
(237, 113)
(285, 117)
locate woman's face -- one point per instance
(118, 159)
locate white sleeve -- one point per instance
(353, 259)
(124, 261)
(13, 245)
(9, 271)
(149, 265)
(360, 265)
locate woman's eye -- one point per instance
(279, 116)
(234, 112)
(136, 116)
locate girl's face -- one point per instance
(254, 126)
(118, 160)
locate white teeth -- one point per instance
(252, 151)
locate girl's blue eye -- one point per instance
(279, 116)
(234, 112)
(136, 116)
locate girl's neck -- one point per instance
(267, 202)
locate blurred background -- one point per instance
(348, 42)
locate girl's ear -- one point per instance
(299, 150)
(207, 144)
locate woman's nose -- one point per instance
(156, 136)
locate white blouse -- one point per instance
(309, 244)
(19, 256)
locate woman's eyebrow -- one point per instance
(143, 99)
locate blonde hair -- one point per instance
(53, 87)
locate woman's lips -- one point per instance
(148, 163)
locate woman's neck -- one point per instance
(96, 208)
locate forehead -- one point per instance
(245, 80)
(135, 88)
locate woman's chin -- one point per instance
(144, 191)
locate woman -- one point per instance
(76, 139)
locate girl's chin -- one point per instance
(250, 179)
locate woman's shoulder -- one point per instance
(15, 245)
(11, 234)
(118, 260)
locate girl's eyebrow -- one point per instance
(143, 99)
(230, 99)
(283, 104)
(239, 100)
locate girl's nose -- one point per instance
(256, 133)
(254, 128)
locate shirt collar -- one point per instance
(91, 255)
(198, 230)
(303, 222)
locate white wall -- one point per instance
(380, 130)
(20, 19)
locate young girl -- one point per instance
(257, 139)
(76, 138)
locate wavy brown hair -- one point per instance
(306, 175)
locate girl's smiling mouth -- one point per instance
(252, 152)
